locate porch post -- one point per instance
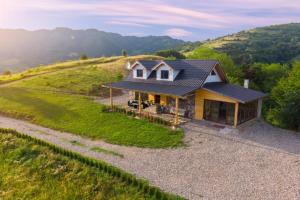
(110, 97)
(176, 112)
(236, 112)
(140, 103)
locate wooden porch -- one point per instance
(176, 118)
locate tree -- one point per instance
(124, 53)
(7, 73)
(83, 57)
(265, 76)
(169, 53)
(284, 108)
(234, 73)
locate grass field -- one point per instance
(55, 67)
(82, 116)
(31, 99)
(30, 171)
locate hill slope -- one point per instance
(57, 97)
(21, 49)
(270, 44)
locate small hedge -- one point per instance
(144, 115)
(142, 185)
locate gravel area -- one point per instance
(254, 162)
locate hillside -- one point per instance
(21, 49)
(270, 44)
(58, 97)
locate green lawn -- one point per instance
(30, 171)
(45, 99)
(82, 116)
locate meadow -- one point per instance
(48, 104)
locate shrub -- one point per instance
(7, 73)
(83, 57)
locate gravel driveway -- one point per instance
(257, 162)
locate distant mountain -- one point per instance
(21, 49)
(270, 44)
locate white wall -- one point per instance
(145, 72)
(213, 78)
(172, 73)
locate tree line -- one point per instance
(280, 81)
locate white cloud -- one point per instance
(213, 14)
(177, 32)
(124, 23)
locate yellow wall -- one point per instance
(163, 99)
(151, 97)
(204, 94)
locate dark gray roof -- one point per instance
(239, 93)
(192, 73)
(154, 88)
(149, 64)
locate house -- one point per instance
(196, 89)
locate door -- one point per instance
(218, 111)
(157, 99)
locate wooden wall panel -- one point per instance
(204, 94)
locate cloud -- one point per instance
(177, 32)
(124, 23)
(213, 15)
(149, 12)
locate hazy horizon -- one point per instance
(187, 20)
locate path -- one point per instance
(260, 162)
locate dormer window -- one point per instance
(213, 73)
(164, 74)
(139, 73)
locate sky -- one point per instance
(189, 20)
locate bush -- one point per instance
(284, 105)
(83, 57)
(170, 54)
(124, 53)
(7, 73)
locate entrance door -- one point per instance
(157, 99)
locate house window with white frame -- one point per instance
(164, 74)
(139, 73)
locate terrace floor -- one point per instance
(254, 162)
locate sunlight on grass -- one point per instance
(81, 115)
(30, 171)
(42, 100)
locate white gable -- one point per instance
(213, 77)
(146, 73)
(172, 73)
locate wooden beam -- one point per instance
(140, 103)
(111, 97)
(236, 112)
(176, 111)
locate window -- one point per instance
(213, 73)
(164, 74)
(139, 73)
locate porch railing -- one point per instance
(143, 115)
